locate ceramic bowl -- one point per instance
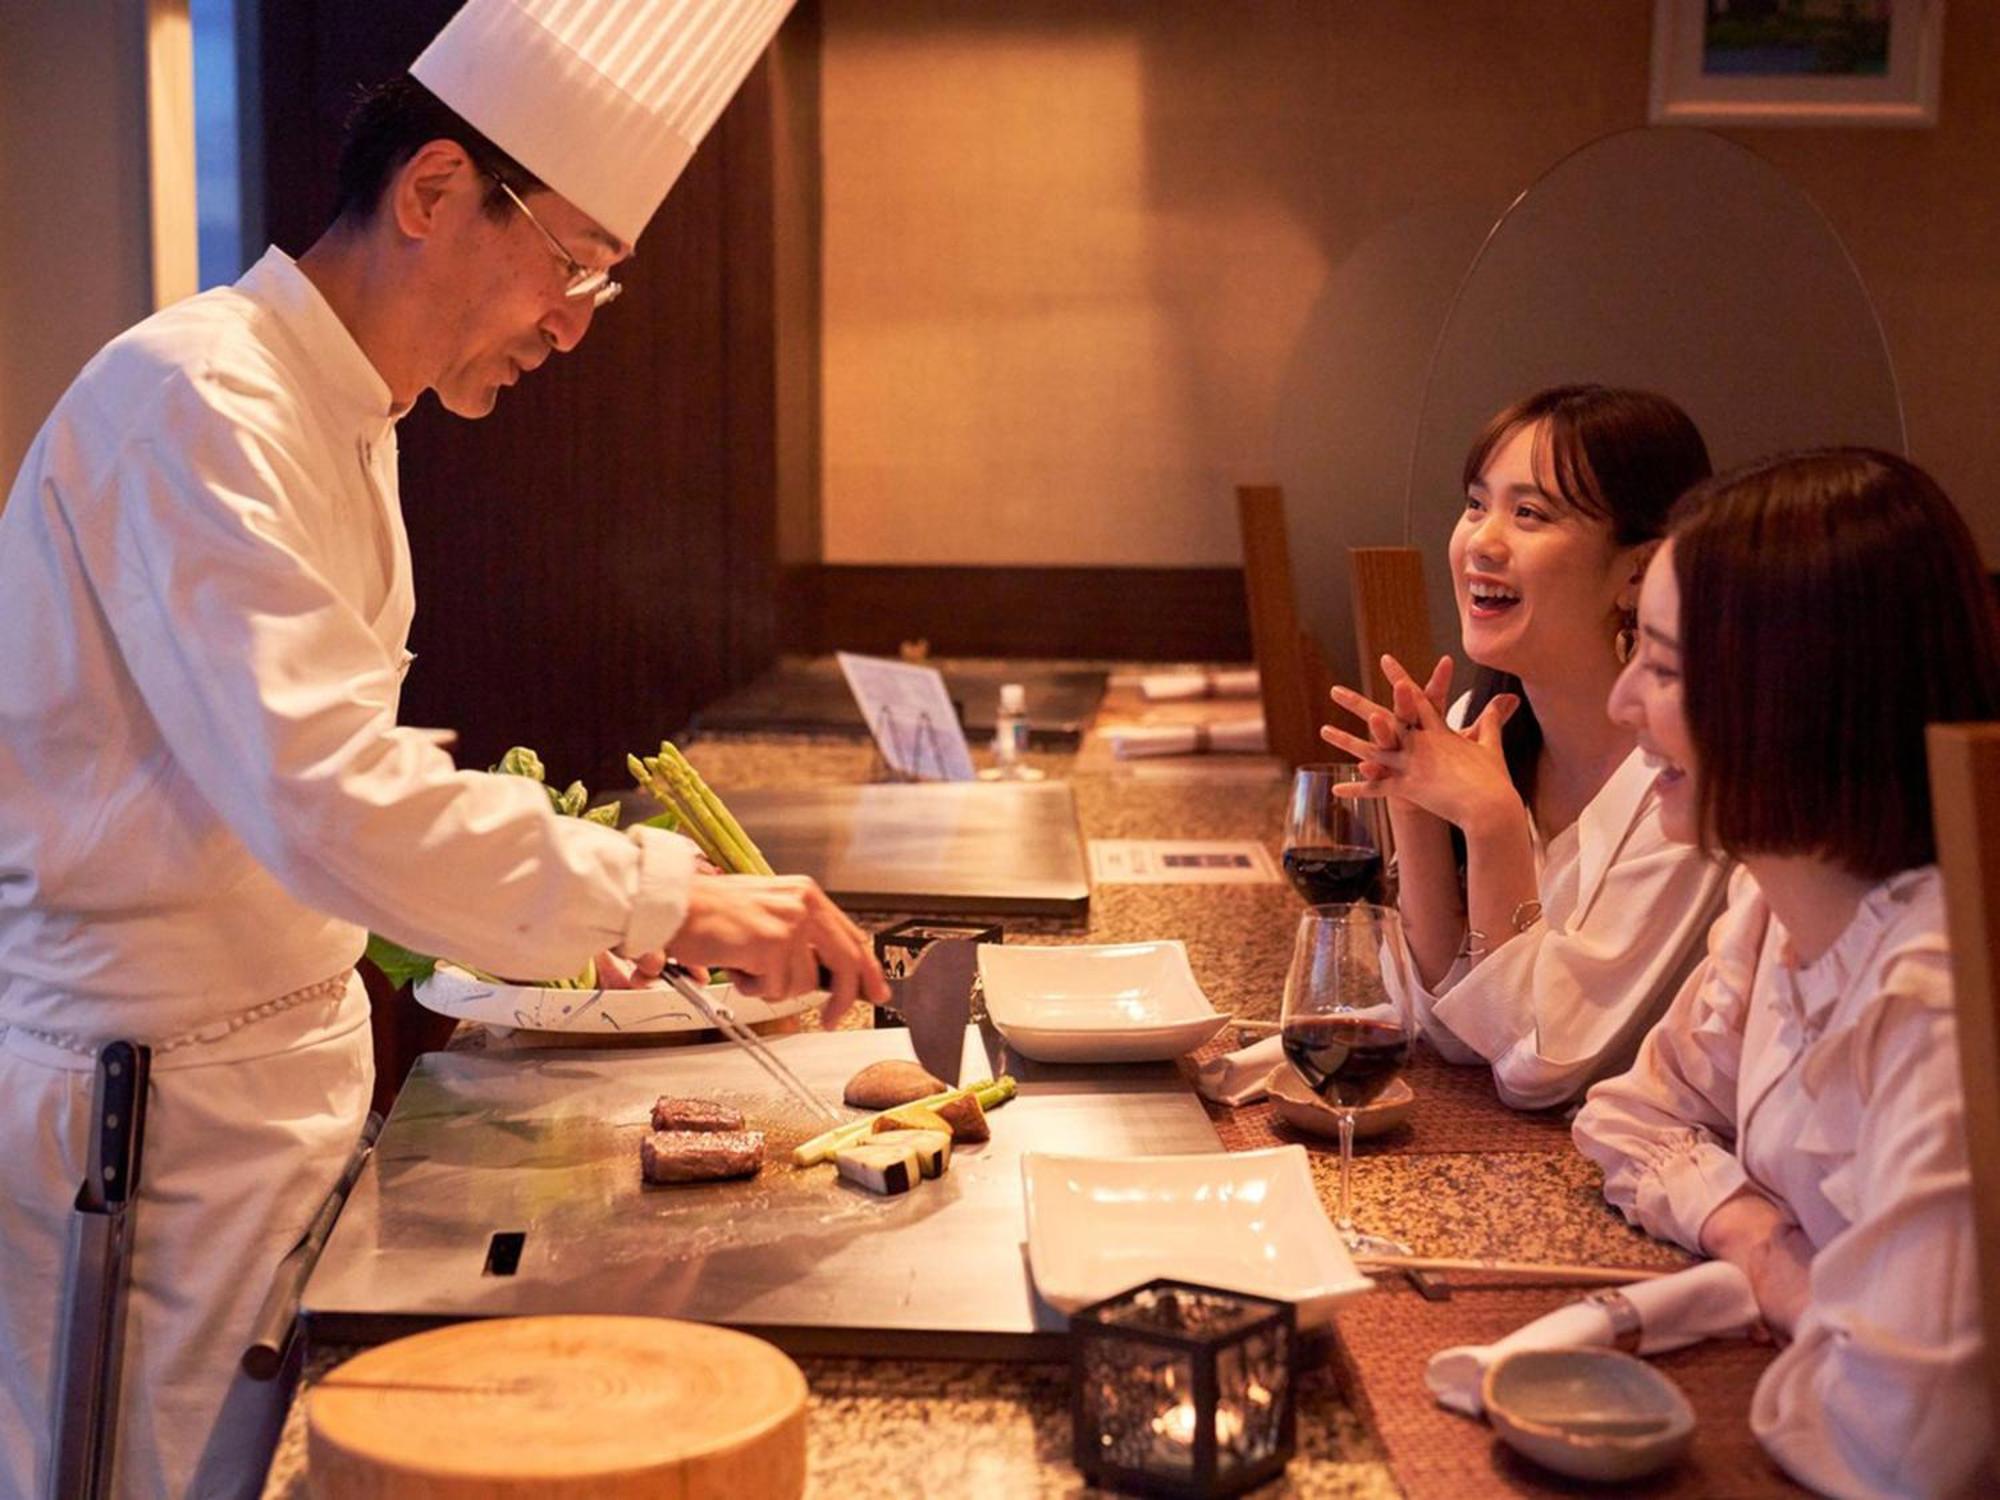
(1119, 1002)
(1302, 1109)
(1588, 1413)
(1247, 1220)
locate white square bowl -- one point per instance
(1120, 1002)
(1249, 1221)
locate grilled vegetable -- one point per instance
(966, 1119)
(933, 1147)
(911, 1117)
(991, 1094)
(885, 1085)
(880, 1167)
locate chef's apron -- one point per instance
(248, 1125)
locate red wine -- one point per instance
(1327, 873)
(1348, 1059)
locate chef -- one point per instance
(205, 800)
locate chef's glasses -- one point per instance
(583, 282)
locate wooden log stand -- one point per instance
(559, 1407)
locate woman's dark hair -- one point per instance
(389, 124)
(1832, 605)
(1616, 455)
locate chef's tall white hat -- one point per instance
(603, 100)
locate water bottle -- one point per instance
(1010, 737)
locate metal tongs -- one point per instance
(718, 1014)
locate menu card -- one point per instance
(911, 716)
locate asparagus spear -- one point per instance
(724, 818)
(991, 1094)
(653, 780)
(671, 779)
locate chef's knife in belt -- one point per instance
(935, 1001)
(92, 1343)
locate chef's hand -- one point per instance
(642, 972)
(774, 932)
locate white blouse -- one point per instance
(1832, 1088)
(1565, 1003)
(204, 796)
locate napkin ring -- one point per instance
(1623, 1316)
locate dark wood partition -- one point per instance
(596, 558)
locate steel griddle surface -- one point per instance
(547, 1145)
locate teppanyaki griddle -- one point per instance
(507, 1185)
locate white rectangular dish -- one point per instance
(1250, 1221)
(1122, 1002)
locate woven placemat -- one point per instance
(1456, 1111)
(1386, 1337)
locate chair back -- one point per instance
(1965, 805)
(1392, 616)
(1291, 667)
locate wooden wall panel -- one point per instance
(596, 558)
(1129, 614)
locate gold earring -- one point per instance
(1625, 643)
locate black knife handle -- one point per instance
(123, 1070)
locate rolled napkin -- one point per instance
(1173, 687)
(1238, 1077)
(1711, 1300)
(1238, 736)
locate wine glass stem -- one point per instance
(1345, 1223)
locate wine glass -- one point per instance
(1333, 845)
(1346, 1025)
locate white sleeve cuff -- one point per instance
(659, 905)
(1689, 1186)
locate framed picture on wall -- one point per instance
(1796, 62)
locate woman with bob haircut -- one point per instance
(1548, 917)
(1798, 1110)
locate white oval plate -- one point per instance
(451, 991)
(1249, 1221)
(1120, 1002)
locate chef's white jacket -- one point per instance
(1833, 1089)
(204, 798)
(1624, 909)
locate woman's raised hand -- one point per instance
(1411, 753)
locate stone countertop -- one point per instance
(896, 1428)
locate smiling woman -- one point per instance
(1798, 1111)
(1548, 916)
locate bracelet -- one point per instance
(1623, 1317)
(1526, 915)
(1474, 945)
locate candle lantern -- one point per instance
(1183, 1390)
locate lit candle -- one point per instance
(1177, 1423)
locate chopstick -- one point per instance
(1550, 1272)
(719, 1016)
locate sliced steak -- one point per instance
(701, 1155)
(671, 1113)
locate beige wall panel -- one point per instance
(76, 260)
(1089, 265)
